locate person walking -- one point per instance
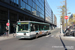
(7, 31)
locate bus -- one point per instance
(30, 29)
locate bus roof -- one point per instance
(33, 22)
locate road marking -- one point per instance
(48, 36)
(52, 35)
(57, 35)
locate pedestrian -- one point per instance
(4, 33)
(7, 30)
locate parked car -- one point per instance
(67, 32)
(70, 31)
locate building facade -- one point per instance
(55, 20)
(23, 10)
(49, 15)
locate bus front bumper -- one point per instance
(23, 37)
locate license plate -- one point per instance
(22, 37)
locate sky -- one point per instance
(54, 5)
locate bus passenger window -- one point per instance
(32, 28)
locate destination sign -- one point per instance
(25, 23)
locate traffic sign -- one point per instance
(66, 17)
(7, 24)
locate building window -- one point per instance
(37, 8)
(28, 7)
(16, 1)
(12, 0)
(33, 11)
(30, 2)
(22, 5)
(42, 12)
(34, 5)
(3, 15)
(13, 17)
(38, 13)
(25, 1)
(34, 1)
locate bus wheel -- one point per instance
(74, 34)
(47, 33)
(37, 35)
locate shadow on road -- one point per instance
(63, 44)
(32, 38)
(27, 39)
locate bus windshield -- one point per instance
(23, 28)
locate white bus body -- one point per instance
(30, 29)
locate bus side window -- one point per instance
(40, 27)
(32, 28)
(36, 28)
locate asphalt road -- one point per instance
(42, 43)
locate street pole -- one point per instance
(61, 25)
(9, 23)
(66, 12)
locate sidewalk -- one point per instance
(68, 38)
(71, 38)
(7, 37)
(52, 30)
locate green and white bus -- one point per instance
(30, 29)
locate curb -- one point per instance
(68, 38)
(6, 37)
(71, 38)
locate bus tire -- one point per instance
(47, 33)
(74, 34)
(37, 35)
